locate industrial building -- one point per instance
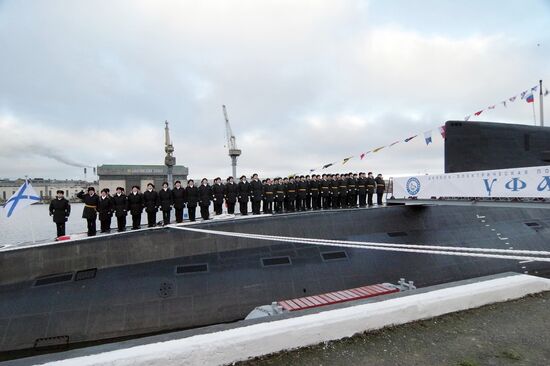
(112, 176)
(46, 188)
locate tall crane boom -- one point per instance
(231, 143)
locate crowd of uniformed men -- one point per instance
(297, 193)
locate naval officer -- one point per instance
(151, 203)
(166, 200)
(60, 209)
(178, 195)
(120, 203)
(135, 205)
(91, 201)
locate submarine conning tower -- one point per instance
(472, 146)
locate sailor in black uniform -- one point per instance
(151, 203)
(291, 188)
(308, 195)
(285, 190)
(380, 187)
(269, 196)
(166, 201)
(279, 195)
(243, 190)
(205, 196)
(256, 193)
(334, 190)
(352, 191)
(302, 193)
(178, 197)
(192, 197)
(120, 203)
(60, 209)
(91, 200)
(362, 189)
(217, 194)
(230, 194)
(325, 192)
(371, 185)
(105, 210)
(135, 205)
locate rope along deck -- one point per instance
(511, 254)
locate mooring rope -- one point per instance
(410, 248)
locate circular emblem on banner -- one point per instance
(413, 186)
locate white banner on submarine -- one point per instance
(515, 182)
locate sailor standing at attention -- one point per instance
(380, 187)
(60, 209)
(256, 193)
(371, 184)
(151, 203)
(218, 193)
(192, 198)
(178, 196)
(230, 194)
(105, 209)
(243, 189)
(205, 196)
(91, 201)
(120, 203)
(166, 201)
(135, 205)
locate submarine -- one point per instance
(63, 294)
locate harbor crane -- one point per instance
(231, 143)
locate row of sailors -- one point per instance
(275, 195)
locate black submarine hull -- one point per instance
(155, 280)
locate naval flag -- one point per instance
(530, 98)
(428, 137)
(25, 196)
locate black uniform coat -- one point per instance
(352, 185)
(192, 196)
(362, 185)
(302, 189)
(90, 205)
(166, 199)
(243, 189)
(269, 192)
(105, 208)
(343, 187)
(371, 183)
(325, 188)
(314, 188)
(135, 203)
(178, 197)
(256, 190)
(205, 195)
(230, 192)
(380, 185)
(279, 190)
(335, 187)
(218, 191)
(151, 201)
(60, 209)
(291, 190)
(120, 205)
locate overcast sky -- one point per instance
(306, 83)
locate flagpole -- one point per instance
(541, 104)
(29, 218)
(534, 115)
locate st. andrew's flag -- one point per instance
(25, 196)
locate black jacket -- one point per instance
(325, 188)
(151, 201)
(380, 185)
(120, 205)
(230, 192)
(352, 185)
(135, 203)
(269, 192)
(334, 187)
(192, 196)
(178, 195)
(302, 189)
(243, 189)
(371, 183)
(256, 190)
(90, 205)
(205, 194)
(60, 209)
(279, 192)
(105, 208)
(291, 190)
(362, 185)
(218, 192)
(315, 188)
(166, 199)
